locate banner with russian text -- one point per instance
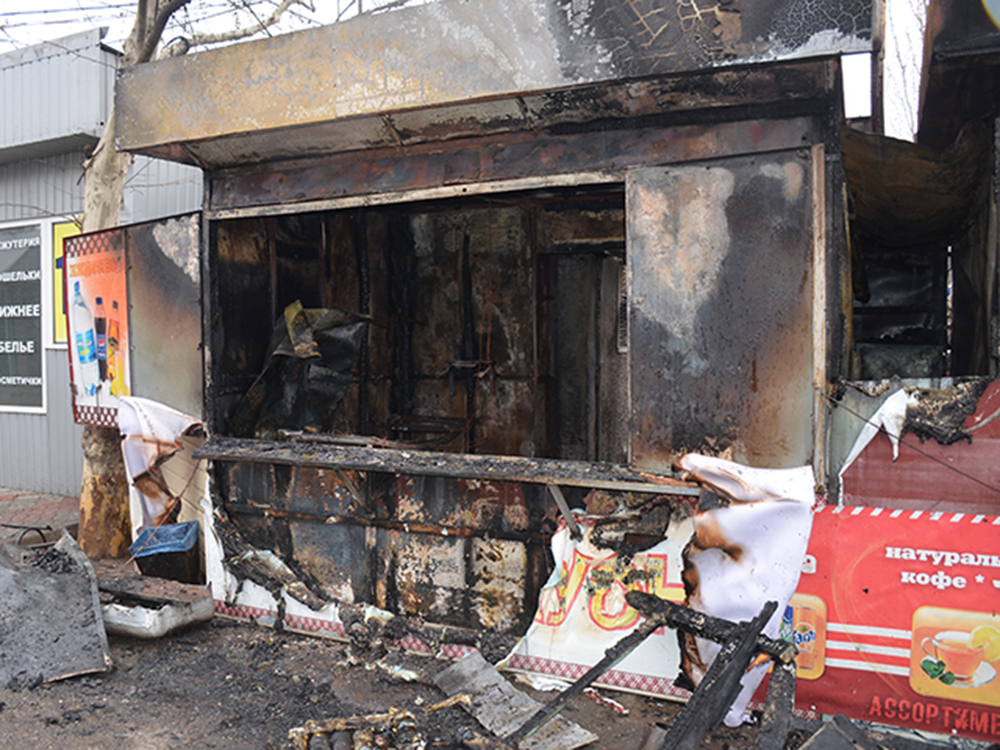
(97, 313)
(897, 614)
(22, 386)
(582, 611)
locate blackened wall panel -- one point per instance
(720, 296)
(164, 279)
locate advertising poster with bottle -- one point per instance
(97, 314)
(897, 618)
(22, 385)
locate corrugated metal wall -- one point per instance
(41, 452)
(64, 89)
(42, 188)
(56, 90)
(156, 188)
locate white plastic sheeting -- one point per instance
(891, 417)
(745, 552)
(157, 444)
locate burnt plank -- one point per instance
(153, 590)
(719, 688)
(777, 718)
(428, 463)
(702, 625)
(612, 656)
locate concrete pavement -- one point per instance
(37, 509)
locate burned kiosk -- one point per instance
(554, 247)
(541, 265)
(461, 264)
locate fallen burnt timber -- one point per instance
(720, 686)
(659, 613)
(512, 720)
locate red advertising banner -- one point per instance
(97, 306)
(897, 614)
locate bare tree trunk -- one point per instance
(104, 529)
(104, 508)
(105, 524)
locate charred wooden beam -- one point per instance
(410, 527)
(612, 656)
(596, 474)
(659, 613)
(777, 718)
(720, 686)
(704, 626)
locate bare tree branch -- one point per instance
(146, 46)
(200, 39)
(388, 6)
(141, 16)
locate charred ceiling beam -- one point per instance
(376, 176)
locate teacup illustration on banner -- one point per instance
(955, 654)
(955, 649)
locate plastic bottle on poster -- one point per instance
(809, 634)
(83, 336)
(114, 366)
(101, 331)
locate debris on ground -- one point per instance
(840, 734)
(503, 710)
(50, 616)
(149, 607)
(395, 728)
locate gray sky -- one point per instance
(27, 22)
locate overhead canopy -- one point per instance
(906, 194)
(454, 68)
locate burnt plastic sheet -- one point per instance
(306, 376)
(51, 626)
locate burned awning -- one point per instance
(907, 194)
(453, 69)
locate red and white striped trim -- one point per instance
(912, 515)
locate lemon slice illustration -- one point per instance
(989, 636)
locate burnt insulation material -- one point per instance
(51, 626)
(939, 413)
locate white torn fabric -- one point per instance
(746, 551)
(156, 445)
(891, 416)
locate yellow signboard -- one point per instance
(60, 231)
